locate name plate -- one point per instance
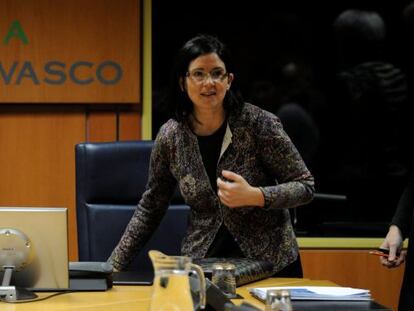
(70, 51)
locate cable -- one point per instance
(38, 299)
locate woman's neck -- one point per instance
(206, 123)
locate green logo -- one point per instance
(16, 30)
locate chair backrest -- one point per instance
(110, 179)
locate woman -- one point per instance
(235, 167)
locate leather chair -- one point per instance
(110, 180)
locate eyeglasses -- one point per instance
(200, 76)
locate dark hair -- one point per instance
(179, 104)
(360, 34)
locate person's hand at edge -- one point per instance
(393, 242)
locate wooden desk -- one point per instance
(137, 298)
(123, 298)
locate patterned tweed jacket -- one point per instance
(254, 146)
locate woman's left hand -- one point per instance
(236, 191)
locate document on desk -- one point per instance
(316, 293)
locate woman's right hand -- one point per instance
(393, 241)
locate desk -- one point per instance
(137, 298)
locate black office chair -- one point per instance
(110, 179)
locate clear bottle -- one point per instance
(224, 277)
(278, 300)
(286, 301)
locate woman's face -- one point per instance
(207, 82)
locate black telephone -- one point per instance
(90, 276)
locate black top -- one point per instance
(224, 244)
(210, 147)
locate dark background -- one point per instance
(264, 36)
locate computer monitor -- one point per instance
(34, 248)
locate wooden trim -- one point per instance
(147, 71)
(341, 243)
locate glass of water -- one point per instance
(224, 277)
(278, 300)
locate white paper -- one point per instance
(316, 293)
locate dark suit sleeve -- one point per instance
(403, 216)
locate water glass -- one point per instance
(224, 277)
(278, 300)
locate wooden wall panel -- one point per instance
(130, 126)
(37, 154)
(37, 136)
(37, 161)
(355, 268)
(101, 126)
